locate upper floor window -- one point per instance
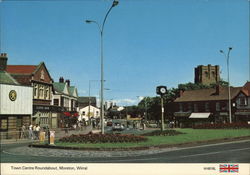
(35, 91)
(180, 107)
(42, 75)
(195, 108)
(56, 102)
(190, 107)
(206, 106)
(242, 101)
(217, 106)
(47, 94)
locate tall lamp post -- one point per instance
(101, 29)
(229, 93)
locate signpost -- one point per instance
(161, 90)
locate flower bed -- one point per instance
(102, 138)
(163, 133)
(223, 126)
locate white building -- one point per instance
(15, 103)
(88, 112)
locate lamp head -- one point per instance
(230, 48)
(115, 3)
(221, 51)
(88, 21)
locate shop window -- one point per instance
(3, 124)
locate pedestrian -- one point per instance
(23, 129)
(37, 131)
(31, 134)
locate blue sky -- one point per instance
(146, 42)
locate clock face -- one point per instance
(163, 90)
(12, 95)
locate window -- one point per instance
(56, 102)
(206, 106)
(47, 94)
(242, 101)
(217, 106)
(42, 75)
(180, 107)
(189, 107)
(35, 91)
(195, 108)
(3, 124)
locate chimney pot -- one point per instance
(3, 61)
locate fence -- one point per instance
(59, 132)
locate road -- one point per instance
(237, 152)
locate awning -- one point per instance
(67, 114)
(199, 115)
(181, 114)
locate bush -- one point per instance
(223, 126)
(102, 138)
(163, 133)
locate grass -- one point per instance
(191, 135)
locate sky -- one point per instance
(147, 43)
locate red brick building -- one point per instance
(39, 78)
(211, 105)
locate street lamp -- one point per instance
(229, 94)
(101, 29)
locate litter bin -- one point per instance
(42, 137)
(52, 137)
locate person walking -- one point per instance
(31, 135)
(23, 129)
(37, 131)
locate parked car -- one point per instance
(117, 127)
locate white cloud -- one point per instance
(125, 102)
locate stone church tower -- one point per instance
(207, 74)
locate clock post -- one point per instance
(161, 90)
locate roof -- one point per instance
(72, 89)
(21, 69)
(246, 88)
(59, 87)
(6, 78)
(86, 99)
(208, 94)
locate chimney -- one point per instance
(3, 61)
(181, 92)
(61, 80)
(68, 82)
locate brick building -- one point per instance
(39, 78)
(211, 105)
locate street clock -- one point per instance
(161, 90)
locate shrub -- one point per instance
(102, 138)
(223, 126)
(163, 133)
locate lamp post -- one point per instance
(101, 29)
(229, 93)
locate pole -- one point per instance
(162, 114)
(229, 93)
(89, 101)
